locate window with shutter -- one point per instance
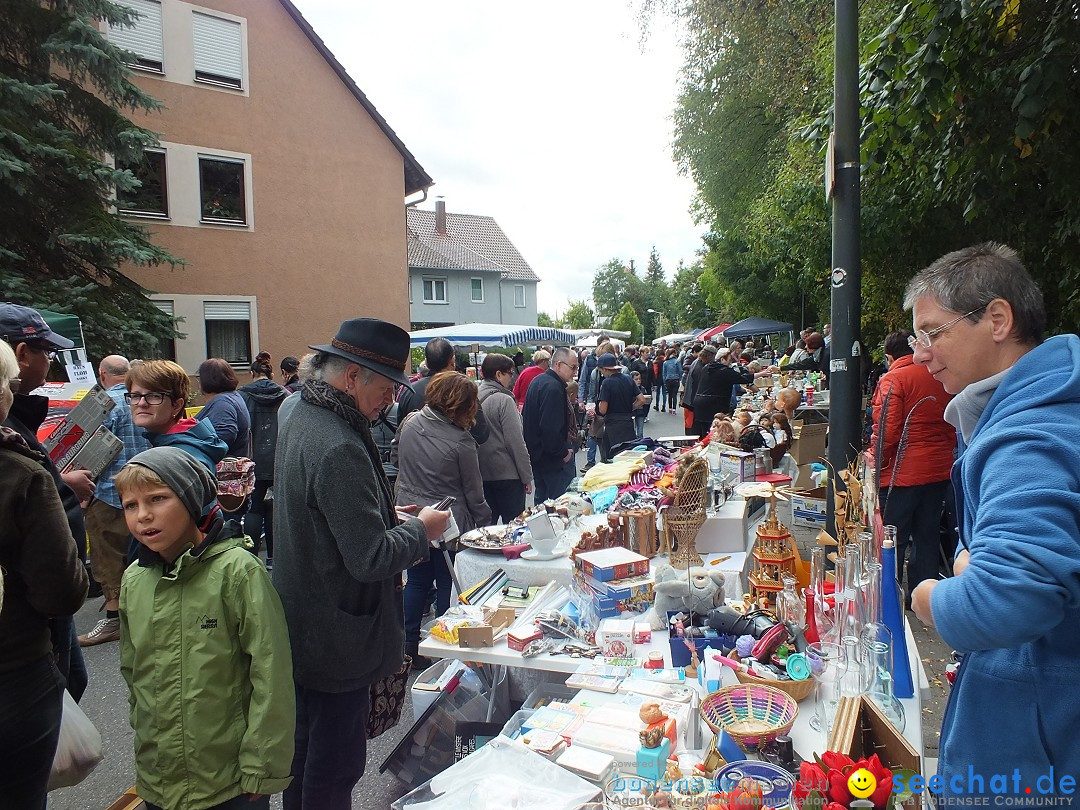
(143, 37)
(166, 347)
(228, 330)
(219, 50)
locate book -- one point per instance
(78, 427)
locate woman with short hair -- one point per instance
(504, 459)
(436, 456)
(225, 408)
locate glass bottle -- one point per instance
(877, 655)
(789, 607)
(853, 616)
(828, 617)
(813, 599)
(889, 535)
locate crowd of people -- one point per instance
(249, 678)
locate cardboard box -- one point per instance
(484, 635)
(737, 463)
(518, 640)
(623, 589)
(617, 637)
(809, 444)
(612, 563)
(808, 508)
(861, 730)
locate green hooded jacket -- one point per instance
(205, 653)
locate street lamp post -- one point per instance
(656, 321)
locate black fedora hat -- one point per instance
(380, 346)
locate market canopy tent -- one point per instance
(67, 325)
(748, 327)
(716, 331)
(675, 338)
(494, 335)
(590, 337)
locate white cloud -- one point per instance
(553, 118)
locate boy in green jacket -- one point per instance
(204, 647)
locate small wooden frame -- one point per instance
(861, 730)
(484, 635)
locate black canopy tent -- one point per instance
(748, 327)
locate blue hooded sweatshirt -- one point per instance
(198, 439)
(1015, 611)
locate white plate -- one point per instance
(535, 556)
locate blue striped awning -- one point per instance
(495, 335)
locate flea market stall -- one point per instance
(682, 622)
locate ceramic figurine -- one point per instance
(651, 713)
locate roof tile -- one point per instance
(473, 242)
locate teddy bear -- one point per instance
(698, 590)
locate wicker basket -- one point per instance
(800, 690)
(753, 715)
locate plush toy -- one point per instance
(698, 590)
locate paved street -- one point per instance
(105, 703)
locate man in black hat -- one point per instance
(341, 548)
(35, 345)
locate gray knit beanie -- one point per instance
(183, 474)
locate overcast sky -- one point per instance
(554, 118)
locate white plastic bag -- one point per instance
(79, 750)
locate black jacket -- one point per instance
(545, 420)
(263, 398)
(26, 415)
(713, 392)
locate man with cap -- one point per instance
(35, 345)
(341, 548)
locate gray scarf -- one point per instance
(324, 395)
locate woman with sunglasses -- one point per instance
(158, 393)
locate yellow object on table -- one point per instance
(614, 474)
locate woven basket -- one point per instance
(752, 714)
(799, 690)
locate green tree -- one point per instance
(627, 321)
(657, 294)
(613, 284)
(543, 319)
(688, 302)
(578, 315)
(971, 124)
(64, 89)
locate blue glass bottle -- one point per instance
(892, 615)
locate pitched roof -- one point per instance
(416, 179)
(472, 242)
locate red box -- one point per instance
(519, 642)
(777, 479)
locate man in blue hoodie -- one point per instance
(1013, 608)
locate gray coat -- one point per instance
(337, 563)
(436, 458)
(503, 457)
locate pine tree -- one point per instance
(64, 90)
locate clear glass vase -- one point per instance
(789, 607)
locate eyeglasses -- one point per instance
(52, 355)
(921, 339)
(151, 397)
(573, 366)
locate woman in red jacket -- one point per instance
(917, 448)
